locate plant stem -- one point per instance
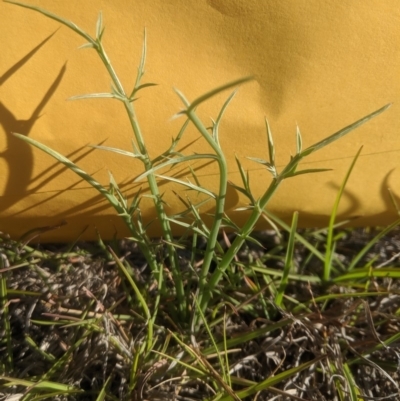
(220, 203)
(239, 240)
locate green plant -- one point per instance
(198, 316)
(130, 211)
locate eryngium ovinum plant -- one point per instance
(189, 308)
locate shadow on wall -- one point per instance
(18, 154)
(389, 197)
(252, 20)
(392, 201)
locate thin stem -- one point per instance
(106, 61)
(243, 234)
(162, 217)
(220, 203)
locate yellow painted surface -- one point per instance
(321, 65)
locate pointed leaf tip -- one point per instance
(99, 25)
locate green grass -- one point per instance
(209, 315)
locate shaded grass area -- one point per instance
(73, 326)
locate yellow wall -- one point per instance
(321, 65)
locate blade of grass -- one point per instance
(288, 262)
(42, 384)
(55, 17)
(370, 244)
(150, 319)
(344, 131)
(272, 381)
(225, 373)
(173, 161)
(328, 297)
(367, 273)
(6, 364)
(216, 91)
(103, 392)
(299, 238)
(354, 392)
(326, 275)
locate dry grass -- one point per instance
(73, 321)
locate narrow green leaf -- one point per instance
(270, 167)
(185, 203)
(54, 17)
(148, 85)
(271, 381)
(242, 190)
(368, 273)
(174, 244)
(132, 283)
(214, 343)
(354, 393)
(192, 228)
(246, 190)
(68, 163)
(114, 185)
(140, 87)
(220, 115)
(135, 148)
(271, 147)
(38, 350)
(101, 35)
(310, 171)
(333, 297)
(140, 72)
(175, 160)
(194, 175)
(248, 336)
(99, 25)
(214, 92)
(135, 202)
(6, 363)
(288, 261)
(259, 161)
(299, 237)
(187, 366)
(103, 392)
(370, 244)
(394, 201)
(119, 151)
(137, 87)
(255, 241)
(329, 241)
(96, 96)
(86, 46)
(243, 175)
(334, 137)
(189, 185)
(184, 101)
(244, 208)
(42, 385)
(175, 141)
(299, 141)
(227, 222)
